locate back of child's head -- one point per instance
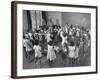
(36, 42)
(72, 43)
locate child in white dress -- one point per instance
(71, 53)
(51, 56)
(38, 53)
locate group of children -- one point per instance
(66, 41)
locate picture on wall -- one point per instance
(53, 39)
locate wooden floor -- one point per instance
(84, 60)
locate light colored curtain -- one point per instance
(36, 18)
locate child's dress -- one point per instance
(51, 53)
(37, 51)
(71, 52)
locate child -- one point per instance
(64, 38)
(71, 54)
(64, 53)
(38, 53)
(28, 46)
(51, 56)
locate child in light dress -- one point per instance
(71, 53)
(51, 56)
(38, 53)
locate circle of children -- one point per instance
(50, 41)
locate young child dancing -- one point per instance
(38, 53)
(51, 56)
(71, 53)
(28, 46)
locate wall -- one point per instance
(61, 18)
(80, 19)
(5, 41)
(54, 16)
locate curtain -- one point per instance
(36, 18)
